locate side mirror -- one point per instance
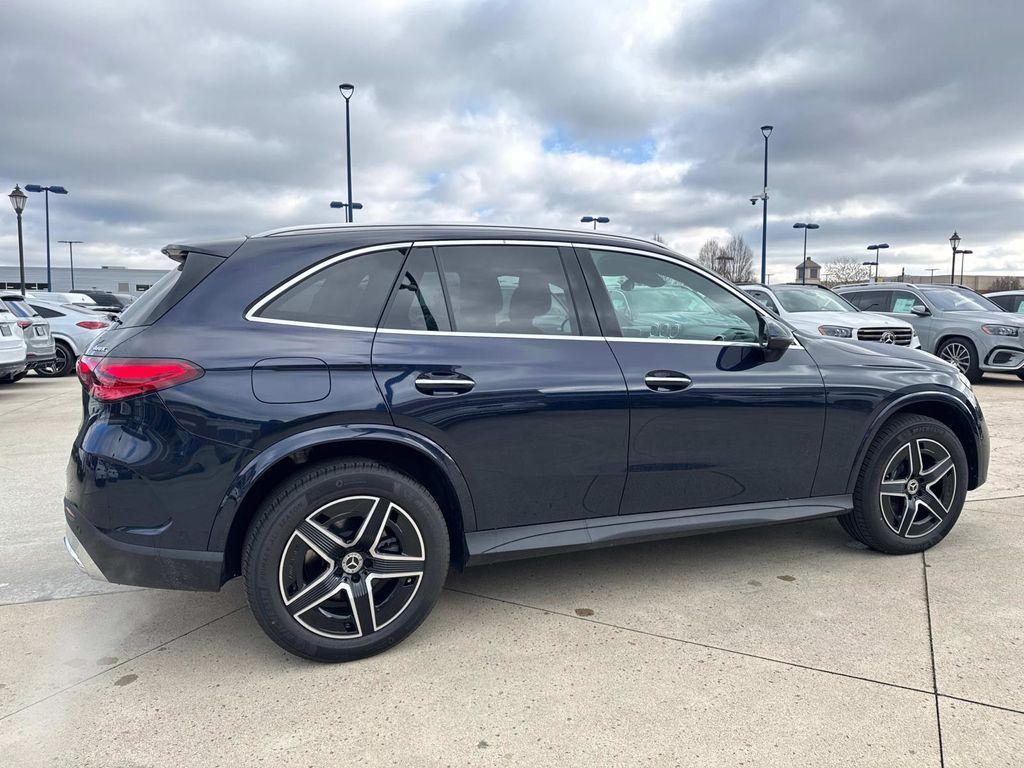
(775, 340)
(920, 310)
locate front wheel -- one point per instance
(345, 560)
(962, 353)
(911, 487)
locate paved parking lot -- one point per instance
(780, 646)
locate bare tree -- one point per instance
(739, 261)
(845, 269)
(710, 255)
(1004, 283)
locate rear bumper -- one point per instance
(38, 361)
(9, 368)
(107, 559)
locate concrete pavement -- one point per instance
(780, 646)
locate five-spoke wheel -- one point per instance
(345, 559)
(918, 487)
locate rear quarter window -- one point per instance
(350, 293)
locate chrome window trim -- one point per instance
(260, 303)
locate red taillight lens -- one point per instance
(92, 325)
(23, 324)
(115, 378)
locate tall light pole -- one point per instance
(962, 260)
(803, 267)
(766, 131)
(596, 220)
(71, 256)
(18, 199)
(931, 274)
(46, 193)
(954, 241)
(349, 207)
(876, 248)
(347, 89)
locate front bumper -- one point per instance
(1004, 358)
(103, 557)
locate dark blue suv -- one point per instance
(340, 414)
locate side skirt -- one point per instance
(550, 538)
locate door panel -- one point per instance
(535, 415)
(712, 420)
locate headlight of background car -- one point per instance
(835, 331)
(1000, 330)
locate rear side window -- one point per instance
(418, 304)
(46, 312)
(508, 289)
(350, 292)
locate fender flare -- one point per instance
(882, 414)
(383, 433)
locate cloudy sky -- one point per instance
(894, 121)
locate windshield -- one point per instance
(953, 299)
(799, 299)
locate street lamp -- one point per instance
(803, 267)
(876, 249)
(766, 131)
(46, 193)
(71, 256)
(347, 89)
(962, 254)
(348, 206)
(18, 199)
(595, 219)
(954, 241)
(723, 259)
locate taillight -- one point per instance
(116, 378)
(92, 325)
(23, 324)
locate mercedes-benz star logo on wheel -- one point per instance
(888, 338)
(351, 562)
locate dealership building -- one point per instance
(112, 279)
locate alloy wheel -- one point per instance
(59, 366)
(957, 354)
(918, 488)
(352, 567)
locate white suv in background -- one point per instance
(73, 328)
(816, 309)
(12, 347)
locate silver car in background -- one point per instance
(955, 323)
(12, 347)
(73, 329)
(1011, 301)
(39, 346)
(816, 309)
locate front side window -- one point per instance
(520, 289)
(350, 292)
(669, 301)
(764, 299)
(903, 302)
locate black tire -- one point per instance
(63, 364)
(283, 570)
(1020, 374)
(879, 519)
(964, 355)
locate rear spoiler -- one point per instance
(220, 249)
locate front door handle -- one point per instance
(667, 381)
(443, 383)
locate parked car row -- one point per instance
(47, 332)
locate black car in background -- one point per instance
(340, 414)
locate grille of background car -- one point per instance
(902, 335)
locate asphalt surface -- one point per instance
(789, 645)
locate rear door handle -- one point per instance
(443, 383)
(667, 381)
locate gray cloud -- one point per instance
(172, 120)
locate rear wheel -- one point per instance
(345, 560)
(63, 362)
(962, 353)
(911, 487)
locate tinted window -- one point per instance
(46, 311)
(667, 300)
(140, 313)
(764, 299)
(903, 302)
(508, 289)
(20, 308)
(869, 301)
(418, 301)
(350, 292)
